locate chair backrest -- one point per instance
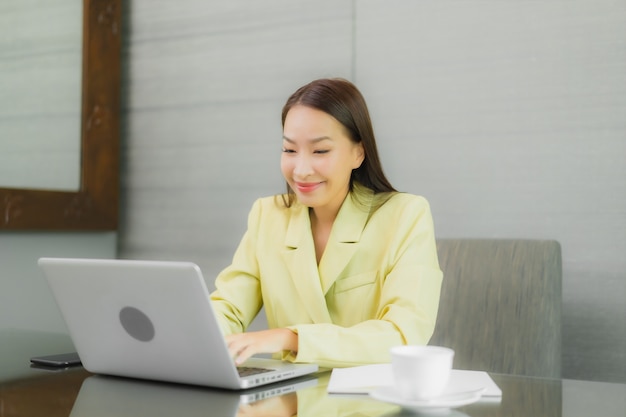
(500, 307)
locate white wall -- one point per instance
(40, 66)
(40, 93)
(26, 301)
(507, 116)
(204, 87)
(511, 118)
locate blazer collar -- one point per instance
(348, 225)
(313, 282)
(345, 235)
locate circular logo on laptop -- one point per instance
(137, 324)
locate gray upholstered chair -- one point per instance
(500, 306)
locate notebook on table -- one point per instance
(366, 378)
(151, 320)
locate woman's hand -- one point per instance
(243, 345)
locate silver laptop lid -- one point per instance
(145, 319)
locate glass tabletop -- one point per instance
(28, 391)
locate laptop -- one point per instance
(110, 396)
(151, 320)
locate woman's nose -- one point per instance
(303, 166)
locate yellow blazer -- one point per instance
(377, 284)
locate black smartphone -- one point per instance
(62, 360)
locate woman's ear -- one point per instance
(359, 155)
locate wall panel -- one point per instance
(509, 118)
(205, 83)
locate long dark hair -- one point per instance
(342, 100)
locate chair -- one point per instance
(500, 307)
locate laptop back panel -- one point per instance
(146, 319)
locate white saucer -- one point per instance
(449, 399)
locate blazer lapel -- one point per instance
(299, 256)
(344, 237)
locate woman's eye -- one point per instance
(321, 151)
(288, 150)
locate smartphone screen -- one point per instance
(60, 360)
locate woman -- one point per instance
(345, 265)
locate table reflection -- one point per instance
(75, 392)
(306, 396)
(49, 393)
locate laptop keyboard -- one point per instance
(247, 370)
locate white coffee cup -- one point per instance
(421, 372)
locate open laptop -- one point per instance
(112, 396)
(151, 320)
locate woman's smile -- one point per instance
(307, 187)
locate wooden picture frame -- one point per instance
(95, 205)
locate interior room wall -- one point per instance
(202, 138)
(507, 116)
(26, 301)
(40, 67)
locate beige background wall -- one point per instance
(508, 116)
(40, 67)
(26, 302)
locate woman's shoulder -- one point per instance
(398, 199)
(402, 205)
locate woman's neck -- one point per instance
(325, 216)
(320, 229)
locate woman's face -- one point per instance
(318, 158)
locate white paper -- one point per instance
(363, 379)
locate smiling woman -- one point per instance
(94, 204)
(340, 262)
